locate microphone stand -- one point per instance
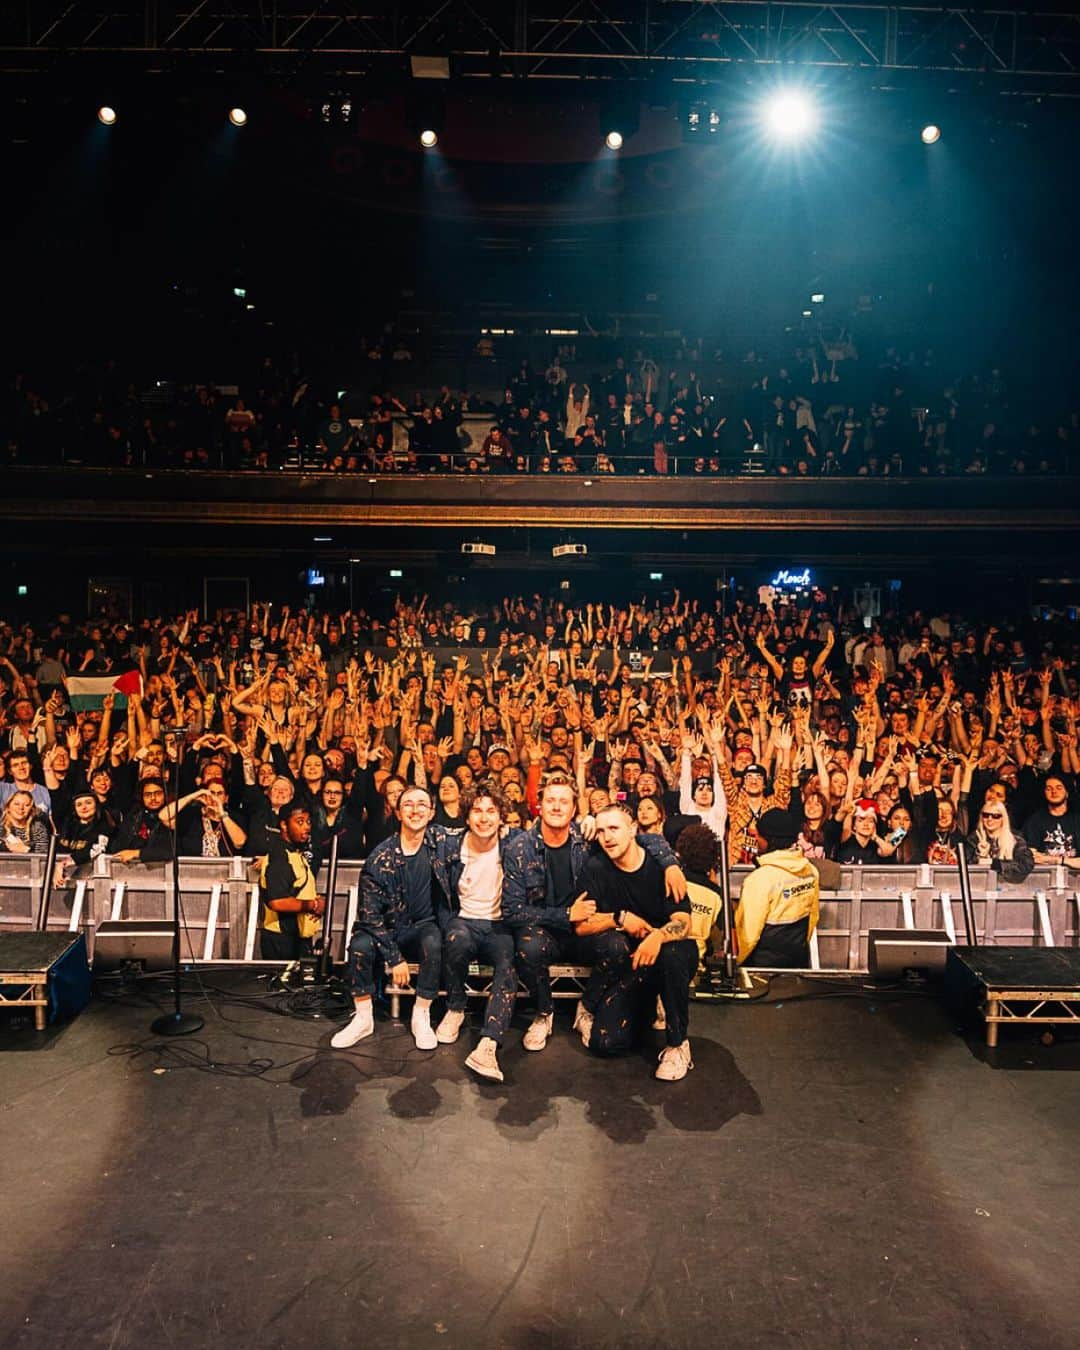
(325, 963)
(41, 923)
(178, 1022)
(728, 981)
(967, 903)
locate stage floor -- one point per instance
(833, 1173)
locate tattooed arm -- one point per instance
(675, 930)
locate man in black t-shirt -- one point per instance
(543, 895)
(1053, 832)
(638, 943)
(865, 845)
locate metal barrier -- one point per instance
(220, 905)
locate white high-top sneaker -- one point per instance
(539, 1030)
(361, 1024)
(421, 1028)
(483, 1060)
(449, 1029)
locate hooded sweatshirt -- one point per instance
(783, 888)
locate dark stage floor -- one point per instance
(834, 1173)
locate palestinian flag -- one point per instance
(86, 692)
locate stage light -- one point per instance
(613, 140)
(429, 139)
(790, 116)
(106, 116)
(238, 117)
(702, 119)
(930, 134)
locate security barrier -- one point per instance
(220, 905)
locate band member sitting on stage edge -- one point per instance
(397, 920)
(291, 906)
(473, 931)
(542, 897)
(778, 904)
(638, 943)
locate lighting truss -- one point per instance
(561, 39)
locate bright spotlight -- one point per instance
(930, 134)
(238, 117)
(429, 139)
(613, 140)
(106, 116)
(790, 116)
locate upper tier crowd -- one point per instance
(904, 742)
(826, 407)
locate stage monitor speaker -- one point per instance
(143, 942)
(895, 951)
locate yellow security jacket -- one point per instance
(783, 888)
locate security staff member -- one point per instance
(778, 904)
(291, 905)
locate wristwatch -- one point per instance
(619, 919)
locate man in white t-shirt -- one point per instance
(473, 931)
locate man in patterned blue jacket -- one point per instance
(411, 892)
(542, 894)
(402, 885)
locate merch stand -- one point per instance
(47, 972)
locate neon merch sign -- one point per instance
(788, 581)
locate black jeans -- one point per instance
(421, 942)
(620, 998)
(466, 940)
(282, 946)
(538, 949)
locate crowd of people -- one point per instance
(826, 407)
(469, 754)
(888, 743)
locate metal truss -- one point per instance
(691, 40)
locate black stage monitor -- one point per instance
(144, 942)
(895, 951)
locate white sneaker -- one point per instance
(449, 1029)
(420, 1026)
(483, 1060)
(675, 1062)
(539, 1030)
(360, 1025)
(660, 1022)
(583, 1021)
